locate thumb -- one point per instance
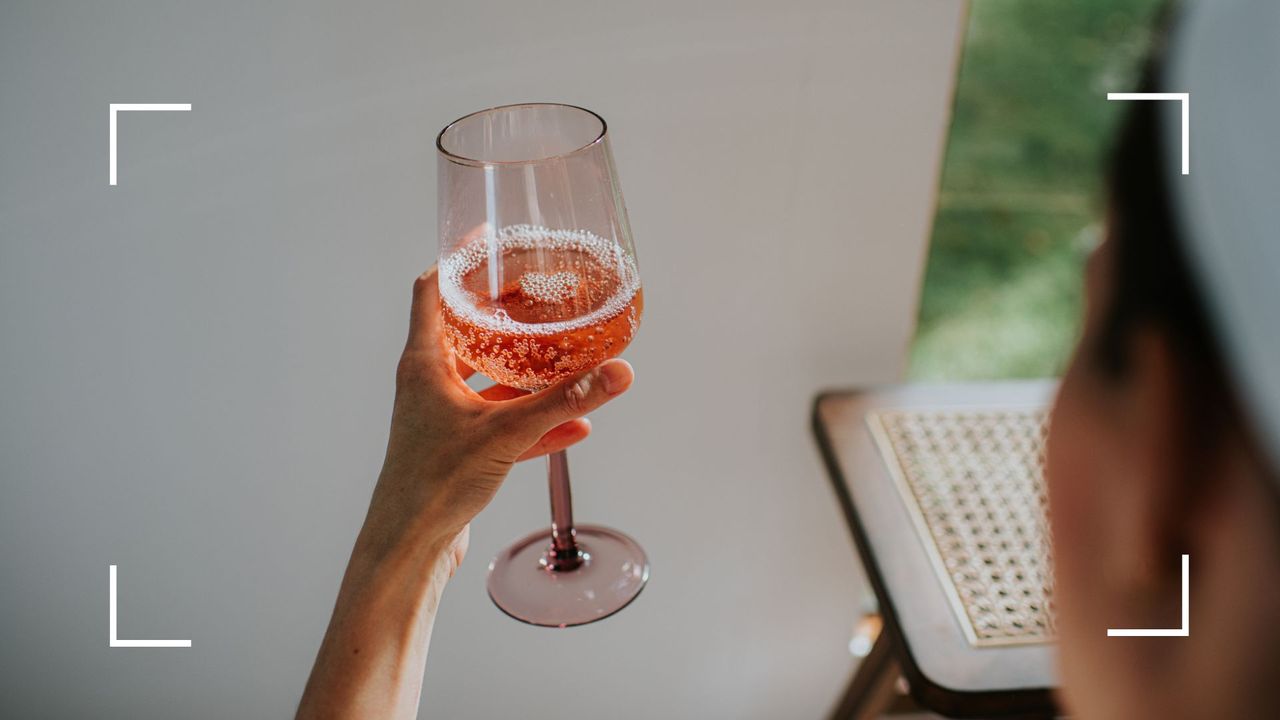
(536, 414)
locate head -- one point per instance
(1151, 455)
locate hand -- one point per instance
(450, 450)
(451, 447)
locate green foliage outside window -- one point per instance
(1020, 201)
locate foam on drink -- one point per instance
(527, 305)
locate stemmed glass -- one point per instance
(539, 281)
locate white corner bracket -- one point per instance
(1185, 99)
(1184, 631)
(117, 642)
(132, 107)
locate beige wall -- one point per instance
(195, 365)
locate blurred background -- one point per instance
(1021, 197)
(196, 365)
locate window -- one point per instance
(1021, 190)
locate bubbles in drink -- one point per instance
(527, 305)
(548, 288)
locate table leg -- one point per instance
(873, 689)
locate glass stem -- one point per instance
(564, 554)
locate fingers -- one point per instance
(424, 315)
(558, 438)
(571, 398)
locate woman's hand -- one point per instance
(449, 451)
(451, 447)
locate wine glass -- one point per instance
(539, 281)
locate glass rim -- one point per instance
(476, 162)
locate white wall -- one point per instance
(195, 366)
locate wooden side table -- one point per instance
(942, 490)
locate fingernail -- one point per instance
(616, 375)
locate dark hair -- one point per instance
(1152, 282)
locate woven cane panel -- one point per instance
(973, 481)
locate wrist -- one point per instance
(410, 517)
(409, 559)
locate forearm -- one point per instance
(371, 661)
(449, 450)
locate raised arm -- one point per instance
(449, 450)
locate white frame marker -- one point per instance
(117, 642)
(1185, 98)
(132, 107)
(1184, 631)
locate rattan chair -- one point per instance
(943, 492)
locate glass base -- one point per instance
(613, 571)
